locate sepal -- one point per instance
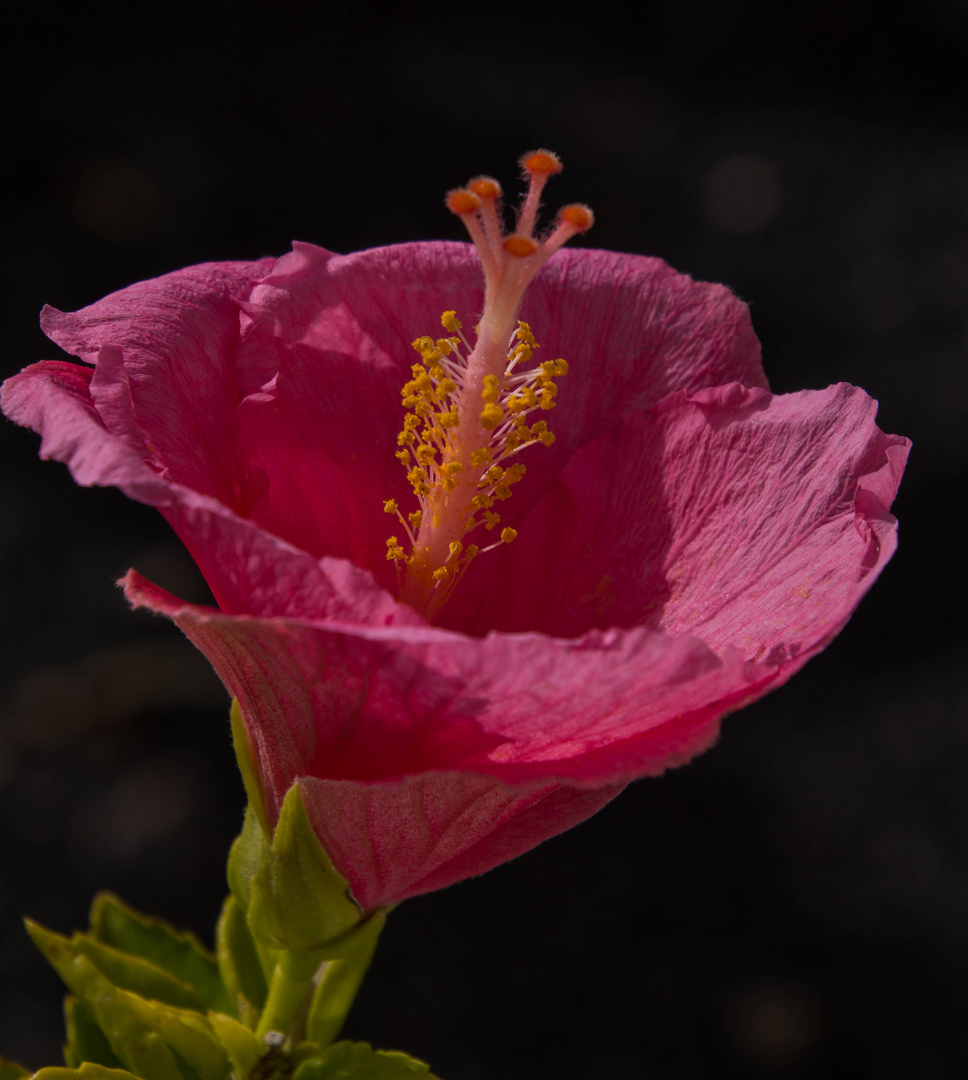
(293, 896)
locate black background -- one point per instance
(792, 904)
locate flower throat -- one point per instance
(471, 408)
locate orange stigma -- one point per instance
(469, 405)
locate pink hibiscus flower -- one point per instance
(683, 541)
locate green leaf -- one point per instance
(181, 954)
(239, 962)
(139, 1048)
(85, 1040)
(87, 1071)
(137, 975)
(358, 1061)
(149, 1038)
(243, 1048)
(10, 1070)
(292, 895)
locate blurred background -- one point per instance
(792, 904)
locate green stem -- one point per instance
(337, 984)
(290, 986)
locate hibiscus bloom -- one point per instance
(679, 542)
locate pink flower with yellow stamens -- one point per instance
(684, 541)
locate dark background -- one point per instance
(794, 903)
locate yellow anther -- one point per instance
(547, 399)
(403, 457)
(507, 535)
(456, 548)
(449, 419)
(394, 551)
(445, 386)
(547, 437)
(441, 574)
(491, 415)
(472, 550)
(541, 161)
(549, 368)
(494, 473)
(452, 468)
(480, 457)
(444, 347)
(520, 246)
(415, 518)
(390, 506)
(490, 391)
(405, 438)
(491, 519)
(482, 502)
(426, 454)
(449, 320)
(561, 367)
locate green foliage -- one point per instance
(357, 1061)
(115, 924)
(152, 1039)
(242, 968)
(85, 1040)
(87, 1071)
(147, 1002)
(10, 1070)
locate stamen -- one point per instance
(468, 405)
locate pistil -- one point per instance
(470, 404)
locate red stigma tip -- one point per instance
(541, 161)
(462, 201)
(519, 245)
(579, 215)
(485, 187)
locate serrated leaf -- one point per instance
(87, 1071)
(359, 1061)
(187, 1033)
(243, 1048)
(138, 975)
(10, 1070)
(139, 1048)
(92, 1071)
(181, 954)
(239, 963)
(151, 1039)
(85, 1040)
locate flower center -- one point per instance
(469, 405)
